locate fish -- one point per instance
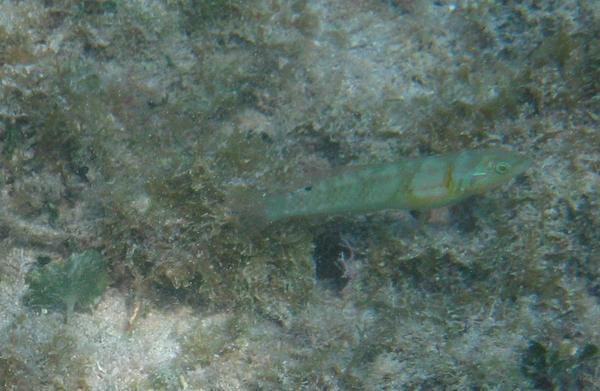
(415, 184)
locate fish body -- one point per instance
(419, 183)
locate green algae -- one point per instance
(77, 282)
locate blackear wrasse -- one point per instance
(416, 184)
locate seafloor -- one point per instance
(131, 133)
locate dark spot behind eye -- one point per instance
(308, 188)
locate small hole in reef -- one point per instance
(329, 249)
(43, 260)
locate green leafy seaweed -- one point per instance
(76, 282)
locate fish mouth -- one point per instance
(522, 164)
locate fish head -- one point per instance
(494, 168)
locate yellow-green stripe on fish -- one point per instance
(420, 183)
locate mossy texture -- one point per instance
(143, 129)
(558, 367)
(41, 354)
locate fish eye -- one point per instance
(502, 168)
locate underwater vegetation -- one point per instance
(558, 367)
(50, 361)
(134, 127)
(77, 282)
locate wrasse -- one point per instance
(417, 184)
